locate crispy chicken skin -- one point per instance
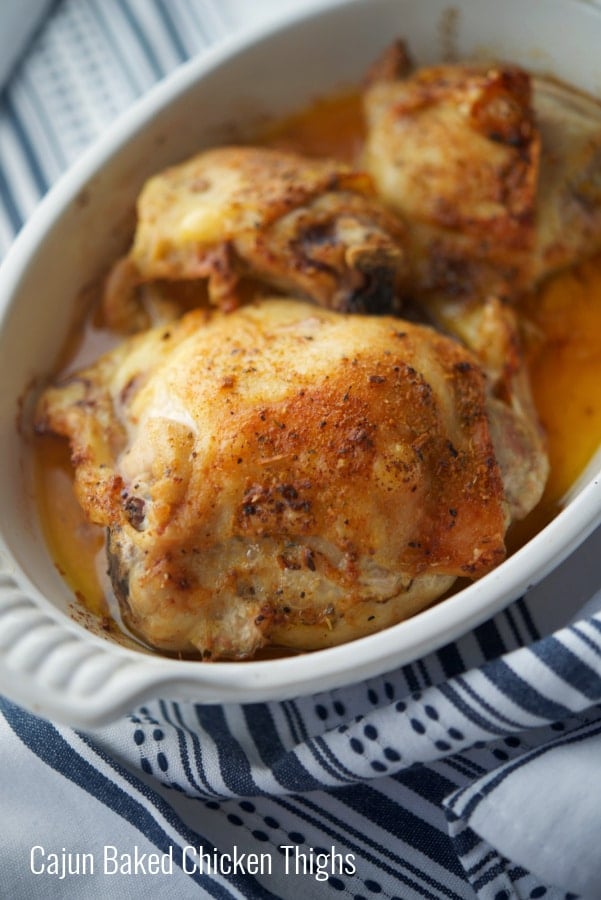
(305, 226)
(497, 172)
(491, 332)
(455, 150)
(285, 475)
(498, 175)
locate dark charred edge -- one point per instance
(377, 295)
(117, 572)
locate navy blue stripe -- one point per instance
(411, 679)
(522, 693)
(286, 768)
(311, 746)
(427, 783)
(324, 764)
(514, 629)
(181, 729)
(573, 670)
(144, 43)
(245, 883)
(379, 854)
(28, 87)
(450, 815)
(401, 823)
(290, 720)
(436, 792)
(321, 746)
(201, 24)
(450, 660)
(47, 744)
(233, 762)
(315, 748)
(216, 20)
(489, 640)
(295, 716)
(465, 841)
(465, 766)
(596, 624)
(519, 872)
(426, 679)
(510, 768)
(590, 643)
(264, 733)
(533, 631)
(449, 692)
(499, 869)
(171, 30)
(9, 203)
(457, 766)
(487, 706)
(96, 8)
(489, 857)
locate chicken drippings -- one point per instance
(561, 325)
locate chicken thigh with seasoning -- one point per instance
(454, 150)
(308, 227)
(286, 475)
(497, 172)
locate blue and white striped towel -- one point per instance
(471, 773)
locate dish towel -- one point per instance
(474, 772)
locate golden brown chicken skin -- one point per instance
(284, 474)
(454, 149)
(497, 173)
(491, 331)
(498, 176)
(309, 227)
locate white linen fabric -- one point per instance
(470, 773)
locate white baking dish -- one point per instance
(48, 661)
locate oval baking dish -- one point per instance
(58, 663)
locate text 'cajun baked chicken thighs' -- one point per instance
(305, 226)
(285, 475)
(498, 172)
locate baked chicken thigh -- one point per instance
(286, 475)
(497, 172)
(454, 149)
(305, 226)
(498, 176)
